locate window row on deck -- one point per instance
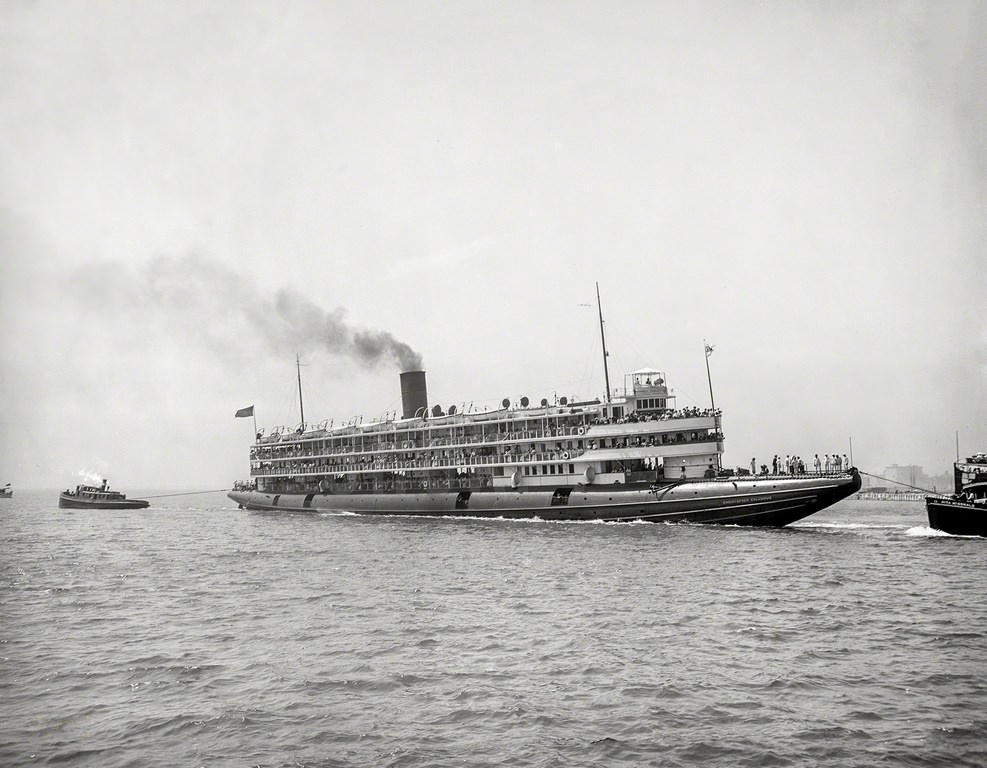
(486, 455)
(451, 446)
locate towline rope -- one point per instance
(186, 493)
(897, 482)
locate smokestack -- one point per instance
(414, 398)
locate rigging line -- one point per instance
(284, 412)
(897, 482)
(186, 493)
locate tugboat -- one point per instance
(964, 512)
(97, 497)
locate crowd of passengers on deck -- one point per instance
(561, 429)
(681, 413)
(794, 465)
(296, 449)
(484, 455)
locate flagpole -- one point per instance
(242, 413)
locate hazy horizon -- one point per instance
(190, 196)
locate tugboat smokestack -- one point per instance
(414, 397)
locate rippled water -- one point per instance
(195, 633)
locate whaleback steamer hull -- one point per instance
(764, 501)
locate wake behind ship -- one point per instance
(633, 457)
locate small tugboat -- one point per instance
(97, 497)
(964, 512)
(6, 492)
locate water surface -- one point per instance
(196, 633)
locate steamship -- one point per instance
(631, 457)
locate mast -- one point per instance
(712, 405)
(709, 379)
(301, 405)
(603, 341)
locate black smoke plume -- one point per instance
(219, 307)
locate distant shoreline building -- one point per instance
(903, 478)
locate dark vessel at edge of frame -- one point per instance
(964, 512)
(98, 497)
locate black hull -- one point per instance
(754, 502)
(67, 502)
(960, 518)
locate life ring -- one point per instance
(565, 455)
(581, 430)
(425, 484)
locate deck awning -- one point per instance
(700, 447)
(620, 454)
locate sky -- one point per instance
(192, 194)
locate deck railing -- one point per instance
(480, 481)
(281, 467)
(508, 453)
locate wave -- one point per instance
(926, 531)
(851, 526)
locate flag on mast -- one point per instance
(709, 350)
(243, 412)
